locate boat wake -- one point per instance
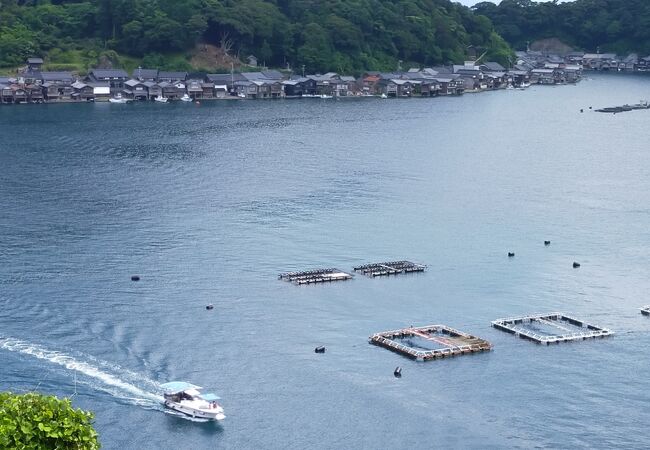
(127, 386)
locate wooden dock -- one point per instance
(315, 276)
(448, 341)
(390, 268)
(567, 328)
(645, 310)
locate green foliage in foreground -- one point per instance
(341, 35)
(35, 421)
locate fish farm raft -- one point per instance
(550, 328)
(430, 342)
(315, 276)
(389, 268)
(645, 310)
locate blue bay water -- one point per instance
(209, 203)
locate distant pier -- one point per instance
(430, 342)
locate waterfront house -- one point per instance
(268, 82)
(34, 93)
(572, 73)
(19, 94)
(195, 88)
(208, 90)
(50, 91)
(643, 65)
(136, 90)
(321, 84)
(153, 89)
(172, 91)
(574, 57)
(101, 90)
(369, 82)
(114, 77)
(172, 77)
(57, 85)
(519, 77)
(600, 61)
(82, 91)
(6, 94)
(143, 75)
(396, 87)
(225, 79)
(450, 84)
(294, 87)
(543, 76)
(346, 86)
(629, 63)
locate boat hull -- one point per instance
(209, 414)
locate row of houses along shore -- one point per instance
(34, 85)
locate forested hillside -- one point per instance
(340, 35)
(619, 26)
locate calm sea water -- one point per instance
(209, 203)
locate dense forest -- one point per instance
(618, 26)
(340, 35)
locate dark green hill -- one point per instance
(619, 26)
(340, 35)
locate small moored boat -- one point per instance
(118, 99)
(161, 99)
(187, 398)
(186, 98)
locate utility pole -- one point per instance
(303, 71)
(232, 76)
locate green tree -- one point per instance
(35, 421)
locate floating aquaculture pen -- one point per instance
(315, 276)
(389, 268)
(645, 310)
(430, 342)
(550, 328)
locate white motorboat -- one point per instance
(187, 399)
(325, 96)
(383, 96)
(118, 99)
(186, 98)
(161, 99)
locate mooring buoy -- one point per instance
(547, 243)
(210, 306)
(582, 110)
(398, 372)
(511, 254)
(135, 278)
(576, 265)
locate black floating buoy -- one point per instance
(511, 254)
(320, 349)
(582, 110)
(576, 265)
(547, 243)
(210, 306)
(398, 372)
(135, 278)
(590, 107)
